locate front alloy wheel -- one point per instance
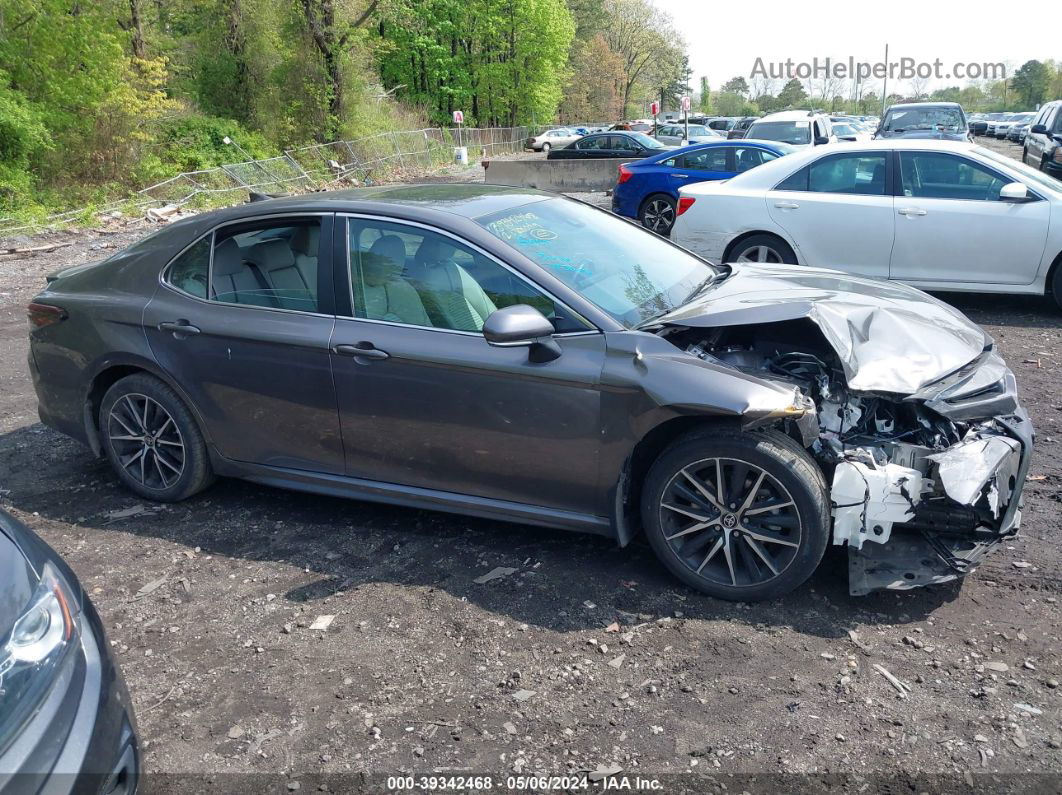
(730, 522)
(737, 515)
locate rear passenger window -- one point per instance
(795, 181)
(272, 266)
(712, 159)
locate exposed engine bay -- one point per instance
(922, 485)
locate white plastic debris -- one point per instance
(966, 469)
(868, 498)
(322, 622)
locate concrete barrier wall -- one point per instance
(555, 175)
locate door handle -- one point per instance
(681, 176)
(909, 211)
(787, 205)
(362, 350)
(179, 328)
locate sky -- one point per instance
(725, 38)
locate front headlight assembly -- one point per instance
(33, 652)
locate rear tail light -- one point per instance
(624, 174)
(685, 203)
(41, 315)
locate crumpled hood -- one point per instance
(889, 337)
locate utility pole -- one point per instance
(885, 84)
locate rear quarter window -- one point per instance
(189, 272)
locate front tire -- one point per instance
(546, 148)
(152, 440)
(739, 516)
(658, 214)
(763, 248)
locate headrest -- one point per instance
(391, 247)
(433, 250)
(228, 258)
(271, 255)
(305, 240)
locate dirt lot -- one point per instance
(210, 606)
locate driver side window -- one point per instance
(417, 277)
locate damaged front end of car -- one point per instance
(925, 449)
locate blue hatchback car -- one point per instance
(648, 189)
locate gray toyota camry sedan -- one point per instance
(521, 356)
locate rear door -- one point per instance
(952, 227)
(839, 212)
(710, 163)
(242, 323)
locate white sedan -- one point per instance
(939, 215)
(552, 139)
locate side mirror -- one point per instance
(1014, 192)
(1038, 129)
(520, 325)
(820, 140)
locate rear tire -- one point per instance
(658, 213)
(152, 440)
(763, 248)
(773, 526)
(546, 148)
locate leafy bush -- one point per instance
(194, 142)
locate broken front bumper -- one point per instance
(912, 515)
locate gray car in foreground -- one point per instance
(517, 355)
(66, 723)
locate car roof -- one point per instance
(912, 105)
(789, 115)
(438, 200)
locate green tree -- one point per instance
(1031, 82)
(792, 95)
(705, 105)
(736, 85)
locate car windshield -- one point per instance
(922, 119)
(1028, 173)
(789, 132)
(844, 129)
(699, 129)
(630, 273)
(644, 140)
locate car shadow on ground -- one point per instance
(561, 581)
(1029, 311)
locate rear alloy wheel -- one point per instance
(763, 248)
(152, 440)
(737, 515)
(546, 148)
(658, 214)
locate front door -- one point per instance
(952, 227)
(426, 402)
(838, 212)
(242, 323)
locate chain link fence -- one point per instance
(386, 157)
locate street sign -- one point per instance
(459, 117)
(685, 103)
(654, 108)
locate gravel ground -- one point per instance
(584, 657)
